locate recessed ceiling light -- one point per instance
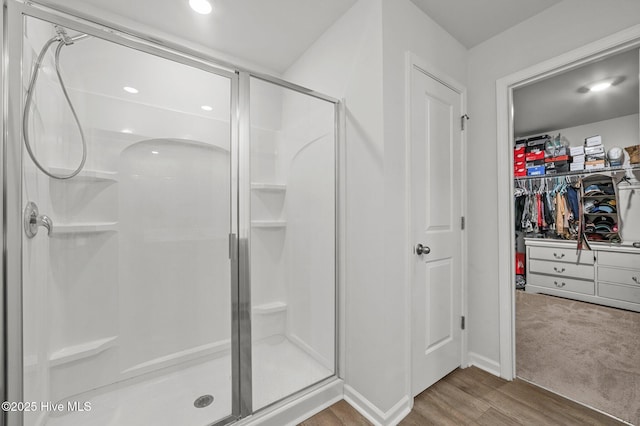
(598, 87)
(155, 152)
(130, 89)
(203, 7)
(127, 131)
(207, 108)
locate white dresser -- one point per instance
(607, 275)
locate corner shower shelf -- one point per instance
(81, 351)
(269, 187)
(88, 175)
(84, 228)
(268, 223)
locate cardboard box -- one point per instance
(534, 163)
(593, 140)
(576, 150)
(558, 158)
(533, 156)
(535, 171)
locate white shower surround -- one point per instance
(80, 337)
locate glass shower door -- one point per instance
(127, 283)
(293, 240)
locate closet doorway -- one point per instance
(565, 329)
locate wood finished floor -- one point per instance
(475, 397)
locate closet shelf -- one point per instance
(81, 351)
(84, 228)
(606, 170)
(268, 223)
(88, 175)
(268, 187)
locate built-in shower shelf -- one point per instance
(88, 175)
(269, 187)
(84, 228)
(269, 308)
(81, 351)
(268, 223)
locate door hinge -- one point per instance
(462, 121)
(462, 223)
(462, 323)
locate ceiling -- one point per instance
(473, 21)
(272, 34)
(563, 101)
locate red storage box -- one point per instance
(533, 156)
(518, 154)
(520, 269)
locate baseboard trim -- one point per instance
(484, 363)
(373, 413)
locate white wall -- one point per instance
(362, 59)
(559, 29)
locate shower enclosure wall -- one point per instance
(189, 275)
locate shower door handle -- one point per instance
(32, 220)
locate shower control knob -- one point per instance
(420, 249)
(32, 220)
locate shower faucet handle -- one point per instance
(32, 220)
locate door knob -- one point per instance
(420, 249)
(32, 219)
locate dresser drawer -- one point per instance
(622, 260)
(619, 276)
(567, 284)
(560, 269)
(561, 255)
(619, 292)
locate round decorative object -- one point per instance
(615, 156)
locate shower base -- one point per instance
(280, 369)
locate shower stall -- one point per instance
(169, 229)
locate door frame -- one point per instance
(625, 39)
(413, 61)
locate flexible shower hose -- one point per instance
(27, 110)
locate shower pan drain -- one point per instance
(203, 401)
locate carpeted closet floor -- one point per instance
(585, 352)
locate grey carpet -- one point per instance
(588, 353)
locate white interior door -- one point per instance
(436, 170)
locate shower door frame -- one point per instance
(13, 21)
(11, 361)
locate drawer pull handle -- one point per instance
(636, 280)
(560, 284)
(558, 270)
(636, 244)
(558, 256)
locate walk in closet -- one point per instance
(577, 184)
(576, 194)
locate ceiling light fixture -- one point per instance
(129, 89)
(207, 108)
(203, 7)
(128, 131)
(598, 87)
